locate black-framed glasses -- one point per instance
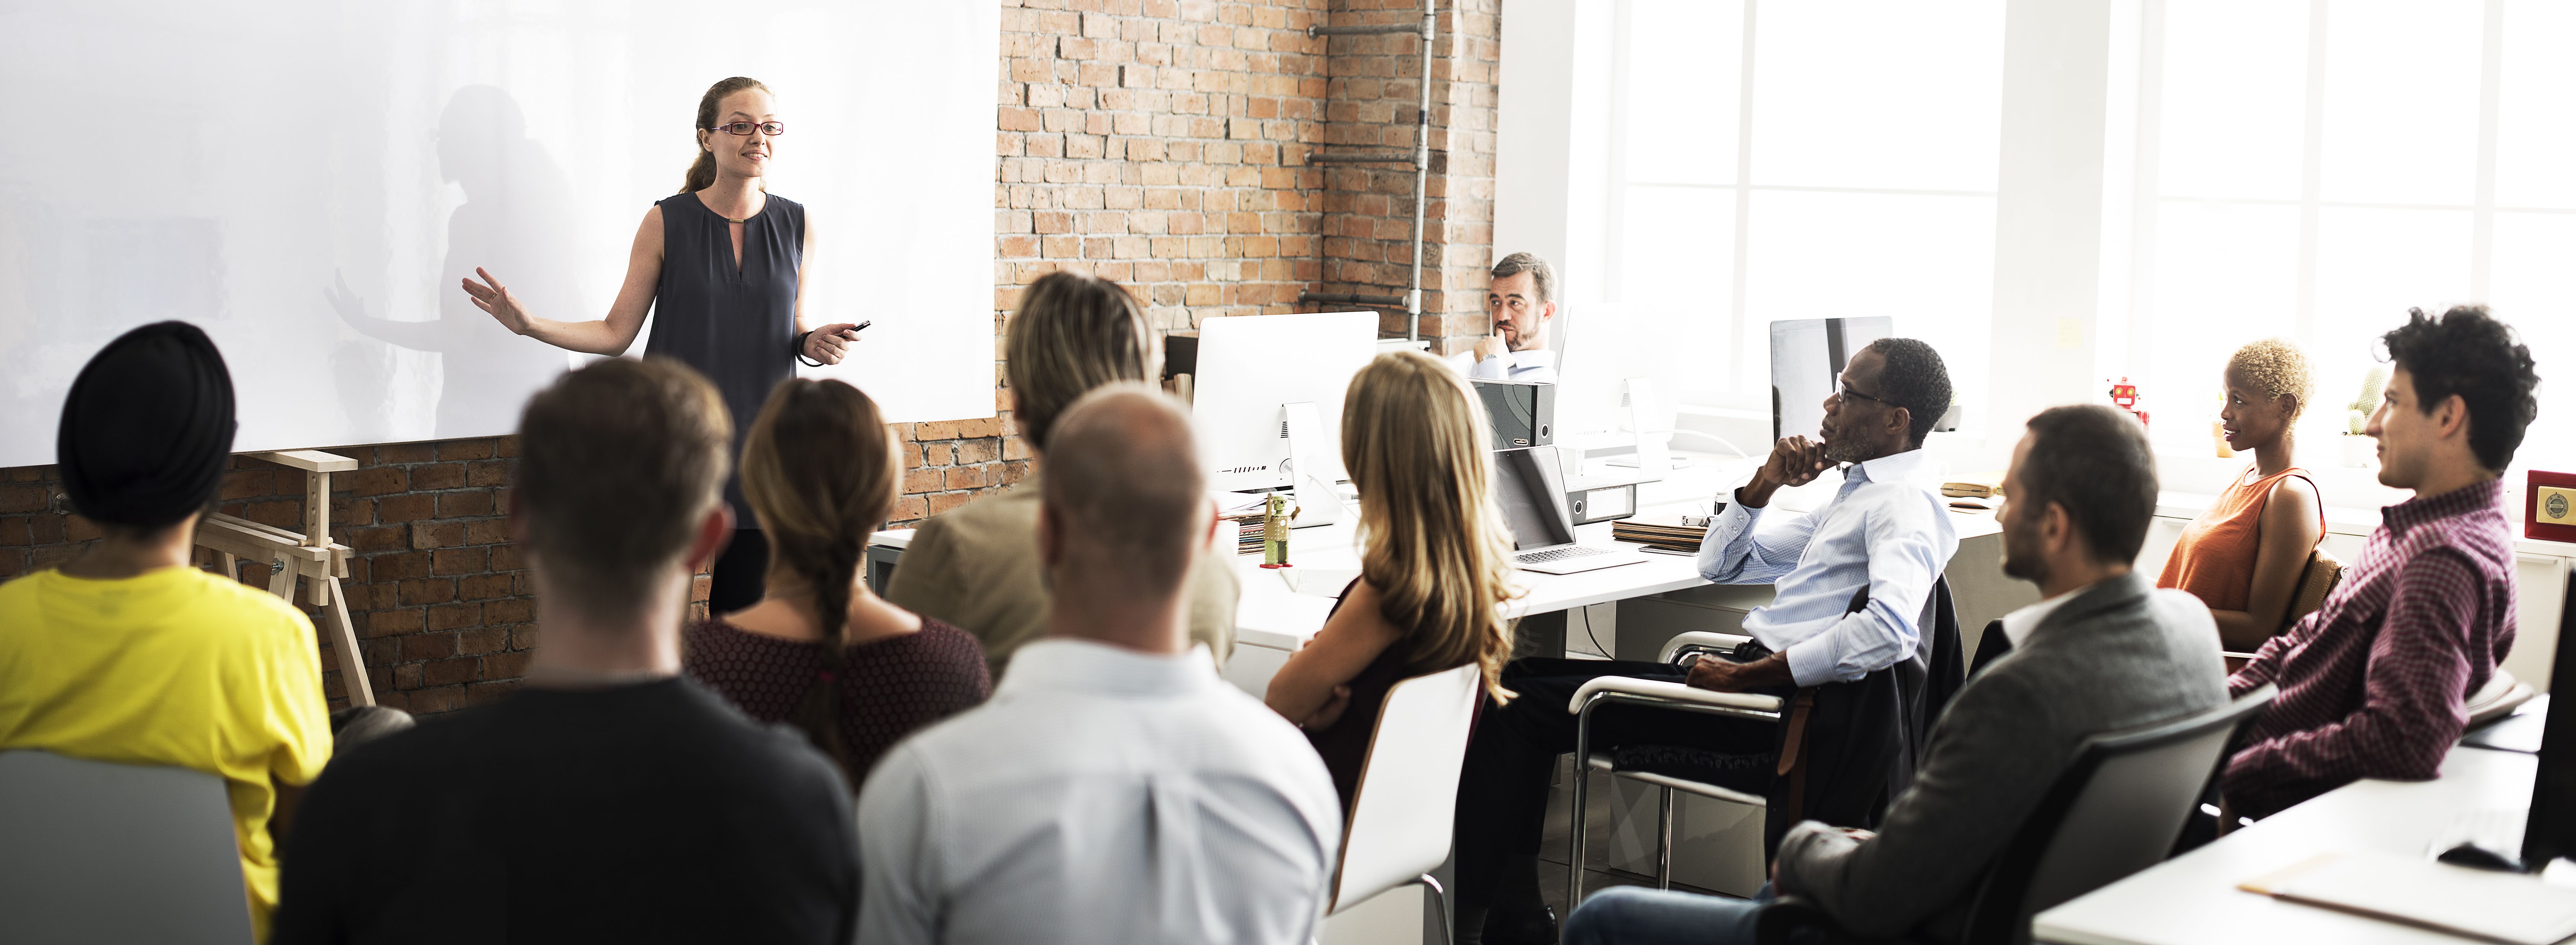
(1845, 392)
(745, 128)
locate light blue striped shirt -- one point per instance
(1887, 528)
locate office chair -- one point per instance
(1907, 696)
(1406, 803)
(92, 851)
(2113, 812)
(2322, 573)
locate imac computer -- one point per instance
(1268, 392)
(1807, 354)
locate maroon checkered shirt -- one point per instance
(2374, 684)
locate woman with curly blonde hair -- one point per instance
(1434, 564)
(2244, 556)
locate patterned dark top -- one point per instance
(2375, 683)
(893, 686)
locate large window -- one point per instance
(2312, 168)
(1791, 160)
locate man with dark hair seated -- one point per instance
(1883, 538)
(129, 654)
(607, 799)
(2103, 651)
(2374, 683)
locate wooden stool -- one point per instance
(311, 555)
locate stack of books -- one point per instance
(1247, 539)
(1984, 486)
(1679, 533)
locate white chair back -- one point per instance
(97, 852)
(1408, 791)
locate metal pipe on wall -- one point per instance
(1428, 29)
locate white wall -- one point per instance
(309, 180)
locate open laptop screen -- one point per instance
(1532, 492)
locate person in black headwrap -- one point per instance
(147, 428)
(135, 655)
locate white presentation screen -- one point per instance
(308, 180)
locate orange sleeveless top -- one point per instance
(2214, 560)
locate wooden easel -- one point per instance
(311, 555)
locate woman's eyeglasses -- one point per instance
(745, 128)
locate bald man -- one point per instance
(1115, 789)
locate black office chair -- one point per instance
(2112, 813)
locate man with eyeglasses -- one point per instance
(1851, 581)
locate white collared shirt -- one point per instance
(1534, 366)
(1886, 529)
(2019, 623)
(1103, 795)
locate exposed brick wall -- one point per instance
(1160, 143)
(442, 608)
(1374, 98)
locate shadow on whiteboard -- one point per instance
(516, 219)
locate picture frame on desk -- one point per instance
(2549, 506)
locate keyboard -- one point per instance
(1558, 553)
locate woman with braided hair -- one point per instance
(820, 470)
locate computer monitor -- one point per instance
(2550, 830)
(1249, 367)
(1807, 354)
(1531, 488)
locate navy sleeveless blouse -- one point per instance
(736, 325)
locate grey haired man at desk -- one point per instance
(1885, 531)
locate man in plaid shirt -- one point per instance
(2373, 684)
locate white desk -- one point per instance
(1279, 612)
(2193, 899)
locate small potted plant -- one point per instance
(2358, 447)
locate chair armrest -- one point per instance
(1702, 639)
(1670, 692)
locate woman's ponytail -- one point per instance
(820, 470)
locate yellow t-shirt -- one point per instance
(174, 667)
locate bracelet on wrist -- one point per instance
(799, 351)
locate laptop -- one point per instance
(1532, 490)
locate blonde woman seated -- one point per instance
(857, 674)
(2244, 556)
(1432, 568)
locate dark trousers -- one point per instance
(741, 573)
(1502, 791)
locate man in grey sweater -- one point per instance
(2104, 651)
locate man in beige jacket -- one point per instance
(977, 566)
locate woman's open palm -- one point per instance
(491, 296)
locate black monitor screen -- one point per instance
(1532, 492)
(2551, 830)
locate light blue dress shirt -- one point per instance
(1887, 528)
(1103, 796)
(1534, 366)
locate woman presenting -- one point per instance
(720, 266)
